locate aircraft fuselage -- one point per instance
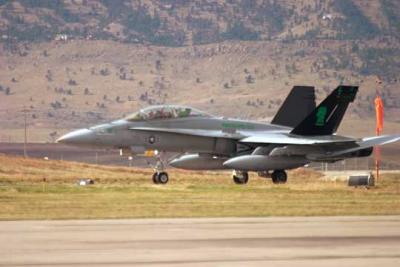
(121, 134)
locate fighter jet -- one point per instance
(299, 133)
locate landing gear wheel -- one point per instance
(241, 178)
(279, 177)
(159, 175)
(155, 178)
(160, 178)
(163, 177)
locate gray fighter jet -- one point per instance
(299, 133)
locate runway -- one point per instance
(277, 241)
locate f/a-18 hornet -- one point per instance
(299, 133)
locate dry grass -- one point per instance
(128, 193)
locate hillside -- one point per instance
(74, 63)
(180, 22)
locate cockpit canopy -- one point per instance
(165, 112)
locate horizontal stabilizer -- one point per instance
(370, 142)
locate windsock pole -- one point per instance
(379, 128)
(377, 160)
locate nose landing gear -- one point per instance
(159, 175)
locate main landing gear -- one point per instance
(279, 177)
(160, 178)
(240, 177)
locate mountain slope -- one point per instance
(79, 62)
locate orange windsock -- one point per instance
(379, 114)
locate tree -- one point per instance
(250, 79)
(158, 65)
(104, 72)
(238, 31)
(72, 82)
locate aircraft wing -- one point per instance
(280, 138)
(251, 137)
(195, 132)
(289, 139)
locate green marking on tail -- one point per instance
(320, 116)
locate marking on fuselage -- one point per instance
(152, 139)
(237, 125)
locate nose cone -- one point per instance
(78, 137)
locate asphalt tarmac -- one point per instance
(277, 241)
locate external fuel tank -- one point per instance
(264, 163)
(198, 162)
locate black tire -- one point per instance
(279, 177)
(241, 179)
(163, 177)
(155, 178)
(274, 179)
(237, 180)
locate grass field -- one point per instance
(129, 193)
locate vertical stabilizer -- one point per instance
(298, 104)
(326, 118)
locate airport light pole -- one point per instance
(25, 131)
